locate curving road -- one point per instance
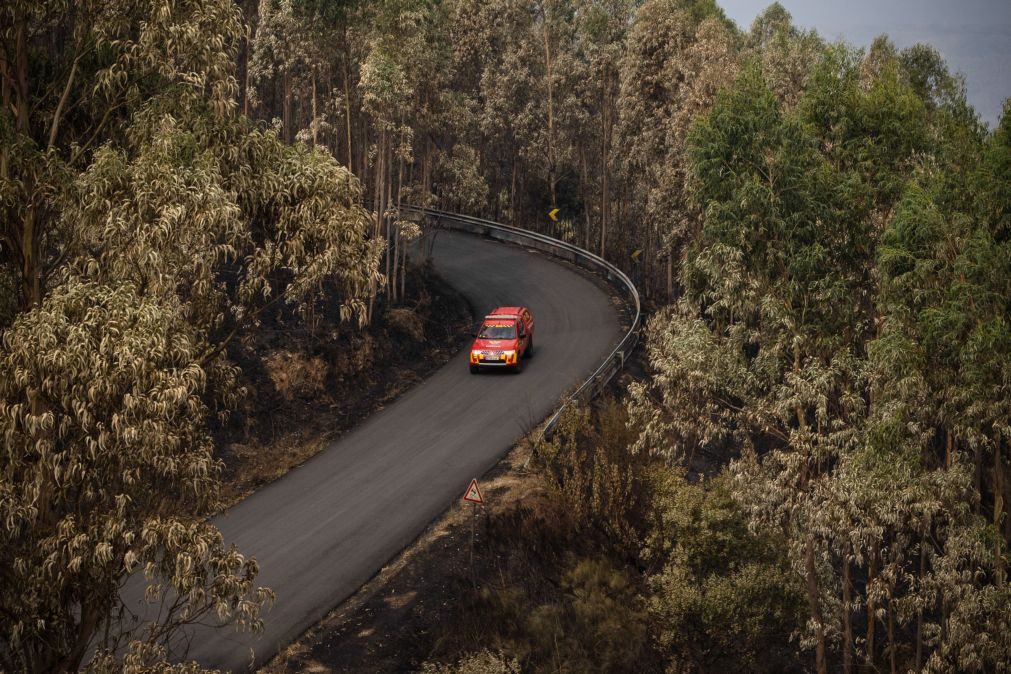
(324, 529)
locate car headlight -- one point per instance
(510, 356)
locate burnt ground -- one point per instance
(306, 386)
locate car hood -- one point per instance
(494, 344)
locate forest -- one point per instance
(812, 471)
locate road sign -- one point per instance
(554, 214)
(473, 493)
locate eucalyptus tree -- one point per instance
(292, 60)
(529, 96)
(787, 53)
(148, 225)
(70, 76)
(945, 262)
(678, 55)
(766, 350)
(107, 470)
(601, 29)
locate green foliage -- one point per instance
(693, 539)
(458, 178)
(833, 388)
(724, 596)
(596, 477)
(595, 624)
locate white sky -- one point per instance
(973, 36)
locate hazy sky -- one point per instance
(973, 36)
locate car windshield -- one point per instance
(498, 331)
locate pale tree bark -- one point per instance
(512, 193)
(552, 179)
(605, 159)
(347, 91)
(398, 274)
(387, 200)
(379, 208)
(584, 191)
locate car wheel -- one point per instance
(474, 369)
(530, 348)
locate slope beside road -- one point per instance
(326, 527)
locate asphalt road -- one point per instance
(329, 525)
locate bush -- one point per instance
(725, 598)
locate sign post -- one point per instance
(473, 495)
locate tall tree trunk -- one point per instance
(347, 92)
(584, 191)
(998, 512)
(377, 197)
(426, 171)
(891, 633)
(872, 571)
(977, 459)
(387, 200)
(847, 613)
(605, 158)
(552, 179)
(670, 276)
(396, 233)
(286, 115)
(814, 604)
(30, 238)
(315, 111)
(512, 194)
(919, 611)
(1007, 520)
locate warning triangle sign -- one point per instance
(473, 493)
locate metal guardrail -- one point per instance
(614, 362)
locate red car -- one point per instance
(506, 337)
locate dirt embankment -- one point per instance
(308, 385)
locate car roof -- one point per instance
(506, 311)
